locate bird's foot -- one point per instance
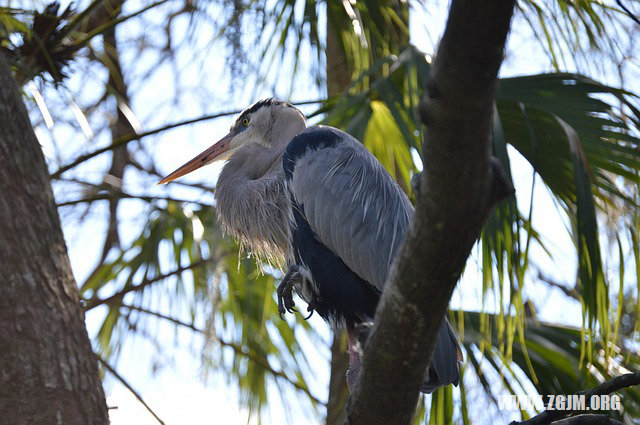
(285, 291)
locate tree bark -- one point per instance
(120, 128)
(338, 388)
(48, 372)
(102, 13)
(338, 79)
(459, 186)
(338, 71)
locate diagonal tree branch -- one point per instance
(550, 416)
(118, 296)
(110, 24)
(628, 12)
(569, 292)
(131, 137)
(96, 14)
(458, 189)
(588, 420)
(128, 386)
(261, 361)
(120, 127)
(111, 195)
(120, 141)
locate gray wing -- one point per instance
(351, 203)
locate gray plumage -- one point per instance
(255, 211)
(360, 213)
(251, 200)
(353, 206)
(354, 213)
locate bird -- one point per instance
(316, 203)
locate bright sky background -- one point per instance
(177, 392)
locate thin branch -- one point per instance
(116, 85)
(131, 137)
(569, 292)
(164, 317)
(548, 416)
(262, 362)
(94, 15)
(122, 195)
(129, 387)
(619, 382)
(113, 22)
(94, 302)
(628, 12)
(588, 420)
(153, 172)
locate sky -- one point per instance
(177, 391)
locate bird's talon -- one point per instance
(285, 292)
(310, 310)
(281, 310)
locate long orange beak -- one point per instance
(206, 157)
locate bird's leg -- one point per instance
(358, 336)
(354, 358)
(285, 291)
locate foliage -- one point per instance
(43, 47)
(579, 136)
(547, 352)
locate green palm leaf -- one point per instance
(554, 352)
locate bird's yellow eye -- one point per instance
(245, 122)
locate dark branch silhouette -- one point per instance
(607, 387)
(94, 302)
(628, 12)
(131, 137)
(257, 359)
(128, 386)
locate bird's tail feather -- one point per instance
(444, 364)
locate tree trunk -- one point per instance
(338, 79)
(339, 74)
(338, 389)
(120, 127)
(48, 372)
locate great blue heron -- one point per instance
(319, 200)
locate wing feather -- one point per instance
(350, 201)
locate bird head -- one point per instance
(269, 123)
